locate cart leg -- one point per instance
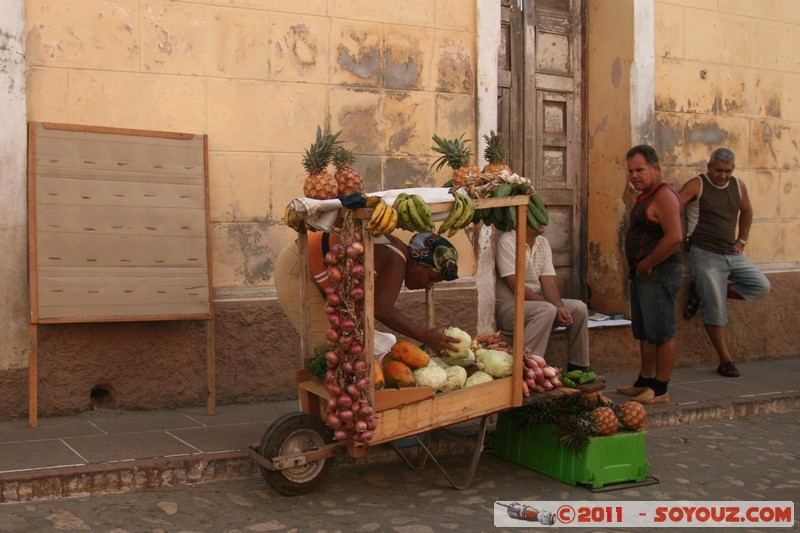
(422, 458)
(473, 465)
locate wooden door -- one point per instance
(540, 116)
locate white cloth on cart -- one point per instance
(321, 214)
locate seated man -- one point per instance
(544, 308)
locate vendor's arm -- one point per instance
(666, 209)
(389, 275)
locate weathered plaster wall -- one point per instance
(609, 59)
(728, 75)
(257, 76)
(14, 305)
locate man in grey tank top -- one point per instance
(716, 204)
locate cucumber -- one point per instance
(567, 382)
(573, 374)
(587, 377)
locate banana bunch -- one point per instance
(413, 214)
(503, 218)
(383, 220)
(295, 220)
(460, 215)
(537, 212)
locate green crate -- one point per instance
(604, 460)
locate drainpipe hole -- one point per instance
(100, 398)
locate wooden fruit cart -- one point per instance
(297, 450)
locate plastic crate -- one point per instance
(605, 460)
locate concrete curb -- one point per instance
(131, 476)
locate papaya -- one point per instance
(409, 353)
(398, 375)
(377, 376)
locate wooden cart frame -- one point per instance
(295, 449)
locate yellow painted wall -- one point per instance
(609, 56)
(258, 76)
(727, 75)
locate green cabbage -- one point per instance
(477, 378)
(456, 377)
(467, 359)
(496, 363)
(438, 361)
(465, 342)
(431, 376)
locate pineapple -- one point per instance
(348, 180)
(607, 422)
(456, 155)
(632, 415)
(320, 183)
(495, 154)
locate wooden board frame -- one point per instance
(100, 158)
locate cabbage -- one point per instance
(430, 376)
(468, 359)
(438, 361)
(477, 378)
(456, 377)
(464, 344)
(496, 363)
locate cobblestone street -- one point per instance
(753, 458)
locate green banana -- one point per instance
(453, 216)
(424, 211)
(540, 211)
(532, 223)
(403, 217)
(416, 217)
(400, 199)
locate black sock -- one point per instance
(571, 367)
(644, 382)
(659, 387)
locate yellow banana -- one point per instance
(373, 201)
(377, 215)
(391, 222)
(385, 219)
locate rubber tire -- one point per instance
(296, 433)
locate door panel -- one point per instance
(541, 118)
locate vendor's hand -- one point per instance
(563, 316)
(438, 342)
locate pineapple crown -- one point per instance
(317, 157)
(455, 152)
(495, 151)
(342, 158)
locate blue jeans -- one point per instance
(653, 309)
(712, 272)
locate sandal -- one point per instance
(728, 370)
(692, 303)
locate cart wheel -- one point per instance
(296, 433)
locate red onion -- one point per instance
(372, 423)
(344, 400)
(355, 348)
(340, 435)
(346, 416)
(332, 359)
(334, 299)
(347, 324)
(353, 391)
(331, 404)
(355, 249)
(345, 340)
(366, 436)
(335, 273)
(361, 426)
(357, 271)
(360, 367)
(330, 258)
(335, 320)
(366, 410)
(332, 335)
(333, 388)
(363, 383)
(334, 421)
(338, 250)
(357, 293)
(347, 368)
